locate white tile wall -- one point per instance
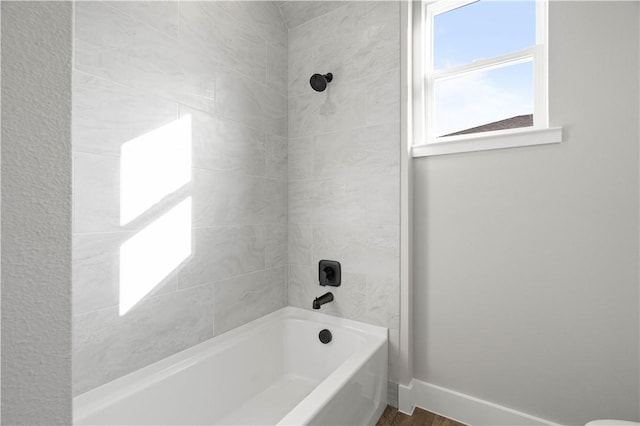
(344, 153)
(139, 66)
(299, 12)
(107, 345)
(282, 176)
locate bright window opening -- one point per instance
(480, 67)
(482, 30)
(485, 100)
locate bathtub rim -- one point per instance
(120, 388)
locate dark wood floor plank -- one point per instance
(392, 417)
(441, 421)
(422, 417)
(402, 419)
(387, 416)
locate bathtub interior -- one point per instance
(359, 395)
(305, 362)
(252, 378)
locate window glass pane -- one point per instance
(485, 101)
(482, 30)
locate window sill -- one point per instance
(489, 140)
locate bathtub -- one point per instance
(273, 370)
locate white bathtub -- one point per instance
(273, 370)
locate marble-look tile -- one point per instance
(345, 243)
(383, 199)
(348, 299)
(193, 83)
(341, 106)
(382, 252)
(344, 161)
(383, 98)
(96, 270)
(262, 17)
(383, 150)
(223, 252)
(251, 103)
(112, 45)
(225, 145)
(336, 200)
(340, 25)
(301, 291)
(247, 297)
(351, 61)
(340, 153)
(394, 355)
(153, 169)
(341, 199)
(300, 66)
(235, 46)
(277, 68)
(228, 68)
(299, 12)
(382, 301)
(392, 394)
(107, 345)
(242, 199)
(277, 153)
(161, 15)
(276, 246)
(363, 152)
(383, 20)
(300, 158)
(203, 196)
(302, 200)
(107, 115)
(300, 244)
(96, 193)
(304, 114)
(369, 250)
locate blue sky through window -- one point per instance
(483, 97)
(481, 30)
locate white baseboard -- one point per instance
(460, 407)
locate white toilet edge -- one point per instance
(612, 423)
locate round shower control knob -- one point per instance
(325, 336)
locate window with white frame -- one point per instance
(481, 70)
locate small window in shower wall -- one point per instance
(482, 69)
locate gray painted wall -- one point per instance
(344, 162)
(138, 67)
(36, 213)
(526, 260)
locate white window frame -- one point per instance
(426, 143)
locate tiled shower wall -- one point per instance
(139, 68)
(344, 164)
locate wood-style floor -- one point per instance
(420, 417)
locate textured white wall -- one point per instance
(139, 66)
(526, 260)
(344, 161)
(36, 213)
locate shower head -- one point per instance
(319, 82)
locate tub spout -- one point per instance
(319, 301)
